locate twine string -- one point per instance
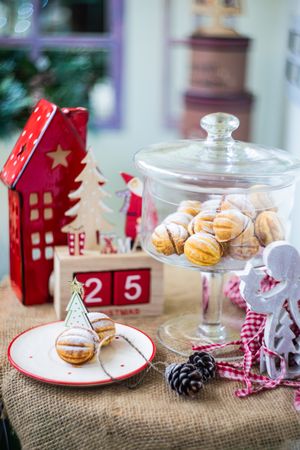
(154, 366)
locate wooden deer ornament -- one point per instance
(280, 304)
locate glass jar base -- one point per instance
(181, 333)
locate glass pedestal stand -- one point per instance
(180, 333)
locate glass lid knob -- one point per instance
(219, 126)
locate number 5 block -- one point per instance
(131, 287)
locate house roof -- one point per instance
(29, 139)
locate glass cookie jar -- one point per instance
(212, 205)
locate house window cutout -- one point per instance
(48, 198)
(36, 254)
(33, 199)
(48, 252)
(34, 214)
(49, 237)
(35, 238)
(48, 213)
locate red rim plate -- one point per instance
(75, 383)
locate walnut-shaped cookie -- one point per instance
(229, 224)
(203, 249)
(204, 221)
(239, 201)
(169, 239)
(245, 250)
(268, 228)
(180, 218)
(191, 207)
(76, 345)
(245, 235)
(103, 325)
(262, 201)
(212, 204)
(190, 227)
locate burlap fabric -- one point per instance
(151, 417)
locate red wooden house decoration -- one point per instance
(40, 173)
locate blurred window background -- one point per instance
(69, 51)
(128, 62)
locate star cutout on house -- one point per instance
(59, 156)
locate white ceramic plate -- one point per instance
(33, 354)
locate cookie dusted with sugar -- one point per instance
(245, 235)
(192, 207)
(103, 325)
(246, 250)
(203, 249)
(261, 200)
(76, 345)
(169, 239)
(204, 221)
(268, 228)
(240, 202)
(229, 224)
(180, 218)
(212, 204)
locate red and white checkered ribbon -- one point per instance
(232, 291)
(251, 343)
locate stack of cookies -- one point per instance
(232, 226)
(79, 345)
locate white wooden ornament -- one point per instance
(88, 211)
(282, 262)
(77, 313)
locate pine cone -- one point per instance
(184, 378)
(205, 363)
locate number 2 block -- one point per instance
(131, 287)
(97, 288)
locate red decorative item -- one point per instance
(76, 243)
(133, 203)
(40, 173)
(109, 247)
(131, 287)
(97, 288)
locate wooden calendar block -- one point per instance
(97, 288)
(133, 282)
(131, 287)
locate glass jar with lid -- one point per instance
(212, 205)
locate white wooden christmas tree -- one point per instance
(89, 211)
(285, 336)
(77, 313)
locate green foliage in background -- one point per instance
(63, 77)
(15, 99)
